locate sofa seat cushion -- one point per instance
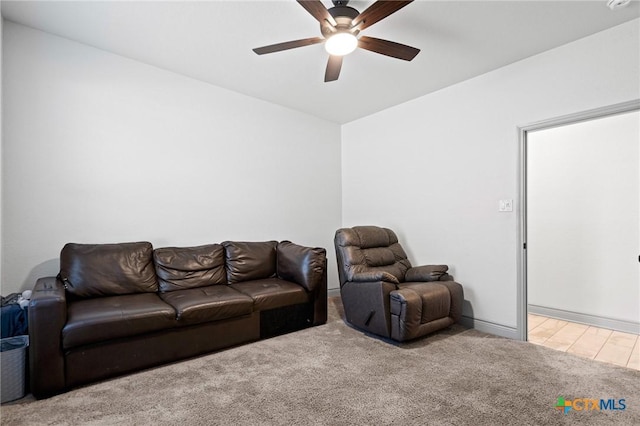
(204, 304)
(105, 318)
(436, 299)
(272, 293)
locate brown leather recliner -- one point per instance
(383, 294)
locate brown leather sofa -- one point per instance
(384, 295)
(117, 308)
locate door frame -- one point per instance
(592, 114)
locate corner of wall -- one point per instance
(1, 147)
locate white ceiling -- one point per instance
(212, 40)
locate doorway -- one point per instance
(570, 267)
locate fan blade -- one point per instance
(318, 11)
(288, 45)
(378, 11)
(333, 68)
(389, 48)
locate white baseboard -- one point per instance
(594, 320)
(333, 292)
(490, 327)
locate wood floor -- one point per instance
(586, 341)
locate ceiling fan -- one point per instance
(340, 26)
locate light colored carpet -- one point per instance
(336, 375)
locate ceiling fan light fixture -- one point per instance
(341, 43)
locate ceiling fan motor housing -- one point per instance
(343, 15)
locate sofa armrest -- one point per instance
(47, 317)
(366, 305)
(368, 276)
(428, 273)
(320, 300)
(301, 265)
(306, 266)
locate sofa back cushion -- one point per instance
(180, 268)
(250, 260)
(94, 270)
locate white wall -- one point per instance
(433, 169)
(583, 219)
(100, 148)
(1, 149)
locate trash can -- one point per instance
(13, 360)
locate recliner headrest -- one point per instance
(368, 237)
(369, 248)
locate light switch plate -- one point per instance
(505, 206)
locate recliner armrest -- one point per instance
(428, 273)
(406, 304)
(367, 276)
(47, 317)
